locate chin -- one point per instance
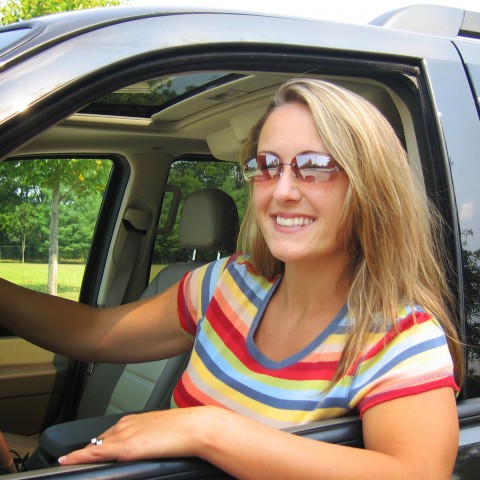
(288, 257)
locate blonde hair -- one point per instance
(391, 231)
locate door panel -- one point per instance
(32, 385)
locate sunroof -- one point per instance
(145, 98)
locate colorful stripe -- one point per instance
(221, 305)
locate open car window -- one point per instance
(49, 212)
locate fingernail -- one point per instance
(62, 459)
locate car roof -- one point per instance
(25, 38)
(200, 115)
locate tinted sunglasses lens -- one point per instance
(252, 171)
(315, 168)
(261, 168)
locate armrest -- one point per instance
(65, 437)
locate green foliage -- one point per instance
(26, 221)
(16, 192)
(12, 11)
(152, 94)
(471, 281)
(76, 227)
(21, 225)
(31, 185)
(76, 177)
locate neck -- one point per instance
(311, 289)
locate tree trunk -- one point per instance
(53, 245)
(24, 246)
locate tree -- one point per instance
(55, 182)
(471, 281)
(66, 180)
(20, 205)
(21, 225)
(12, 11)
(77, 225)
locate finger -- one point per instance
(91, 454)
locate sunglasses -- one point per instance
(306, 167)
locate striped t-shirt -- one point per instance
(220, 306)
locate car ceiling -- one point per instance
(212, 122)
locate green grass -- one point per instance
(34, 276)
(155, 268)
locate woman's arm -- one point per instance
(407, 438)
(140, 331)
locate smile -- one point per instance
(294, 221)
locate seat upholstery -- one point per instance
(209, 221)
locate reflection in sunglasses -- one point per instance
(308, 168)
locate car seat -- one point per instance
(209, 222)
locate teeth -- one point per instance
(293, 222)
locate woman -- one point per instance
(340, 306)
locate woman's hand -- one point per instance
(159, 434)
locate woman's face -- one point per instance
(299, 221)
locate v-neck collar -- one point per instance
(296, 357)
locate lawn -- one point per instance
(34, 276)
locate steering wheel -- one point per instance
(7, 465)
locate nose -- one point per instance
(286, 188)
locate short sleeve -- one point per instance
(410, 359)
(195, 292)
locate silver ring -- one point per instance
(96, 441)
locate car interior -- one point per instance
(144, 128)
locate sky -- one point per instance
(350, 11)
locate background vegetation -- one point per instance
(49, 210)
(12, 11)
(45, 200)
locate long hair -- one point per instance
(391, 232)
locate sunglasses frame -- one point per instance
(295, 169)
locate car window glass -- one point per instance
(190, 176)
(149, 97)
(48, 213)
(465, 175)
